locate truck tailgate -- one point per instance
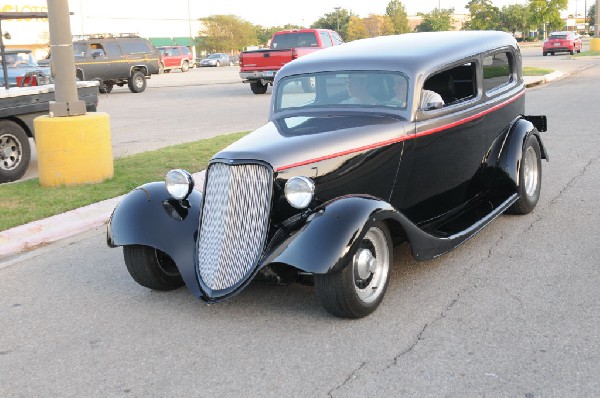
(265, 59)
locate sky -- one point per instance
(179, 18)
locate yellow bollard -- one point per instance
(73, 150)
(595, 44)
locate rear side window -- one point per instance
(497, 71)
(185, 50)
(135, 47)
(112, 49)
(326, 39)
(454, 85)
(336, 39)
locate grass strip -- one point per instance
(25, 201)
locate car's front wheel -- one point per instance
(151, 268)
(137, 82)
(530, 178)
(358, 289)
(15, 151)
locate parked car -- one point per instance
(22, 69)
(338, 177)
(176, 57)
(217, 59)
(562, 42)
(123, 59)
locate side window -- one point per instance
(135, 47)
(497, 71)
(326, 39)
(176, 52)
(97, 50)
(185, 50)
(451, 86)
(337, 39)
(112, 49)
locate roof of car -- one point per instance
(413, 52)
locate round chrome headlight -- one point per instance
(179, 183)
(299, 191)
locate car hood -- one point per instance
(287, 142)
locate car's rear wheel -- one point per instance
(258, 88)
(137, 82)
(530, 178)
(545, 54)
(358, 289)
(151, 268)
(185, 66)
(15, 151)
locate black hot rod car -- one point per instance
(418, 138)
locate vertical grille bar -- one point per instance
(234, 222)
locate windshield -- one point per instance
(349, 89)
(215, 56)
(18, 60)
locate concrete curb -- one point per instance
(38, 233)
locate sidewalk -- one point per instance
(38, 233)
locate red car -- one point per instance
(562, 42)
(176, 57)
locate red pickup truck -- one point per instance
(259, 67)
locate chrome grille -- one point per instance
(234, 222)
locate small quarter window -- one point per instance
(497, 71)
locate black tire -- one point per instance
(357, 290)
(137, 82)
(545, 54)
(185, 66)
(218, 64)
(167, 70)
(15, 151)
(151, 268)
(530, 178)
(106, 87)
(571, 52)
(258, 88)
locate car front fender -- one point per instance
(149, 216)
(330, 235)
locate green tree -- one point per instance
(331, 20)
(436, 21)
(484, 16)
(515, 18)
(545, 14)
(226, 33)
(591, 16)
(397, 13)
(356, 29)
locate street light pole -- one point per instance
(337, 18)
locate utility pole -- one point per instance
(337, 18)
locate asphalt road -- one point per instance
(514, 312)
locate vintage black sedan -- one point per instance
(418, 138)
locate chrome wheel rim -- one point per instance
(530, 172)
(371, 265)
(10, 152)
(139, 82)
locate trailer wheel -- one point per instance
(15, 151)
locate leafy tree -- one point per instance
(378, 25)
(484, 16)
(515, 18)
(332, 19)
(224, 33)
(399, 17)
(545, 14)
(591, 16)
(436, 21)
(356, 29)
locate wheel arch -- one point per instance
(148, 216)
